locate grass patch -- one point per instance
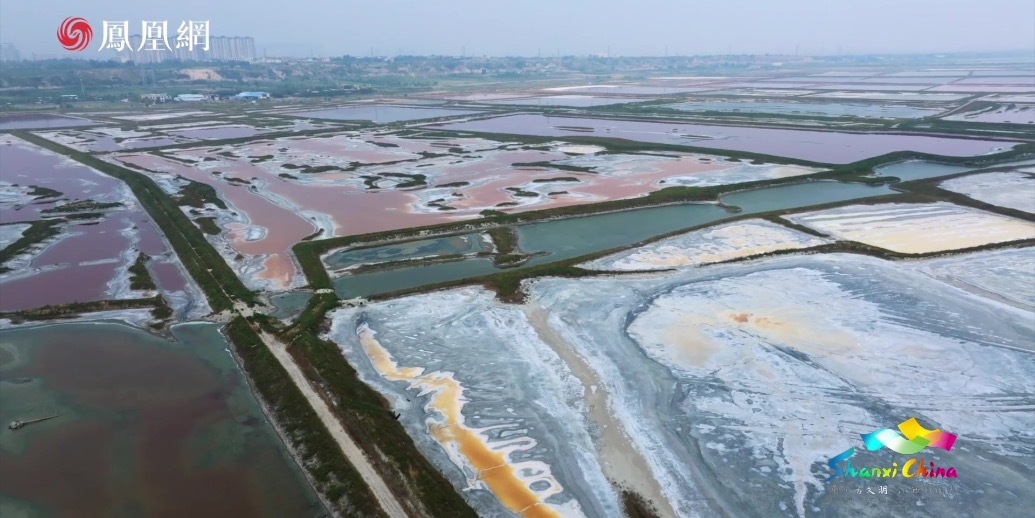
(454, 184)
(558, 179)
(39, 193)
(208, 225)
(56, 311)
(140, 278)
(37, 232)
(81, 205)
(197, 194)
(505, 239)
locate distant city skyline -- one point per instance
(570, 27)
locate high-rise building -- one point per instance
(231, 48)
(8, 52)
(220, 48)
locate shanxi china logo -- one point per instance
(75, 34)
(913, 439)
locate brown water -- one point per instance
(147, 427)
(818, 146)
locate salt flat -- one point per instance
(484, 398)
(741, 381)
(710, 245)
(916, 228)
(1014, 190)
(1002, 275)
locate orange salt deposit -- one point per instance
(492, 466)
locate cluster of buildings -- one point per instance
(8, 52)
(220, 48)
(162, 98)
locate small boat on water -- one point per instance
(16, 424)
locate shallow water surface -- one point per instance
(146, 427)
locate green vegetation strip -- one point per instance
(81, 205)
(37, 232)
(337, 480)
(216, 278)
(369, 420)
(74, 309)
(40, 193)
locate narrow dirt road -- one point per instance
(352, 452)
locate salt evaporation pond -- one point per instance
(574, 237)
(1014, 190)
(896, 111)
(463, 244)
(16, 121)
(488, 404)
(382, 114)
(87, 261)
(741, 381)
(819, 146)
(581, 101)
(216, 133)
(626, 89)
(147, 427)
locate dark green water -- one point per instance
(460, 245)
(147, 427)
(574, 237)
(289, 305)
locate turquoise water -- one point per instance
(463, 244)
(573, 237)
(290, 304)
(387, 281)
(920, 170)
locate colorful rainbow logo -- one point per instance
(913, 439)
(916, 439)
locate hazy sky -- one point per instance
(528, 27)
